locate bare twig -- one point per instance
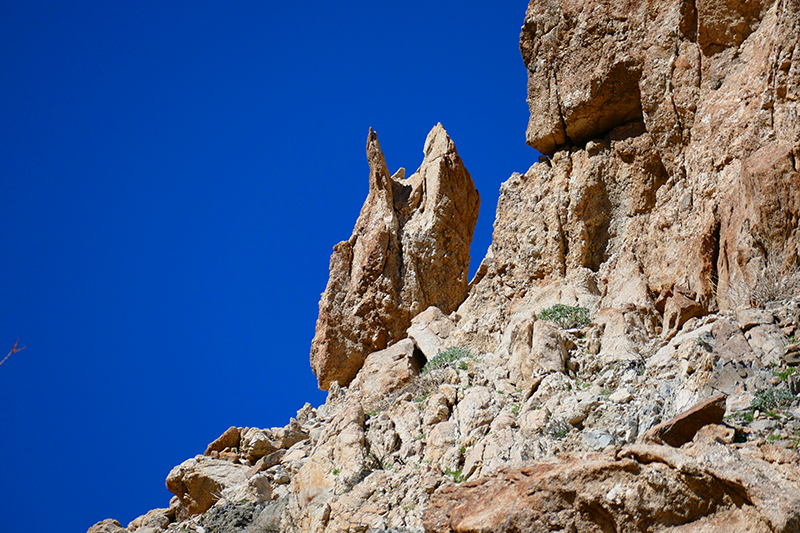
(13, 351)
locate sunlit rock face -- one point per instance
(409, 250)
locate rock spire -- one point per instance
(409, 250)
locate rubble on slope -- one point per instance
(470, 430)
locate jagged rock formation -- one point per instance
(672, 184)
(704, 487)
(667, 212)
(674, 133)
(409, 251)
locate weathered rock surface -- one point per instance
(109, 525)
(682, 428)
(409, 250)
(667, 210)
(429, 331)
(386, 371)
(702, 98)
(641, 488)
(198, 482)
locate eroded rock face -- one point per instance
(409, 250)
(643, 488)
(198, 482)
(674, 134)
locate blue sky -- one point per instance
(174, 177)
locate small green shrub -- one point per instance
(771, 398)
(458, 477)
(784, 374)
(566, 316)
(447, 358)
(516, 408)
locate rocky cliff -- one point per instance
(625, 358)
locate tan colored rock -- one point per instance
(265, 462)
(537, 345)
(674, 132)
(109, 525)
(157, 519)
(289, 435)
(229, 439)
(682, 428)
(705, 487)
(430, 330)
(256, 443)
(337, 463)
(409, 251)
(442, 450)
(200, 481)
(577, 495)
(679, 307)
(385, 371)
(474, 410)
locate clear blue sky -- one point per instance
(174, 176)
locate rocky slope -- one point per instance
(625, 358)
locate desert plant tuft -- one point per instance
(447, 358)
(771, 398)
(458, 477)
(777, 280)
(566, 316)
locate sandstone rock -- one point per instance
(690, 98)
(441, 450)
(679, 306)
(256, 489)
(409, 251)
(157, 519)
(748, 318)
(385, 371)
(198, 482)
(289, 435)
(337, 462)
(621, 396)
(536, 345)
(579, 495)
(429, 330)
(682, 428)
(704, 487)
(109, 525)
(256, 443)
(229, 439)
(475, 409)
(266, 462)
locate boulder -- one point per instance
(409, 251)
(199, 482)
(157, 519)
(229, 439)
(536, 345)
(429, 331)
(708, 487)
(109, 525)
(682, 428)
(256, 443)
(385, 371)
